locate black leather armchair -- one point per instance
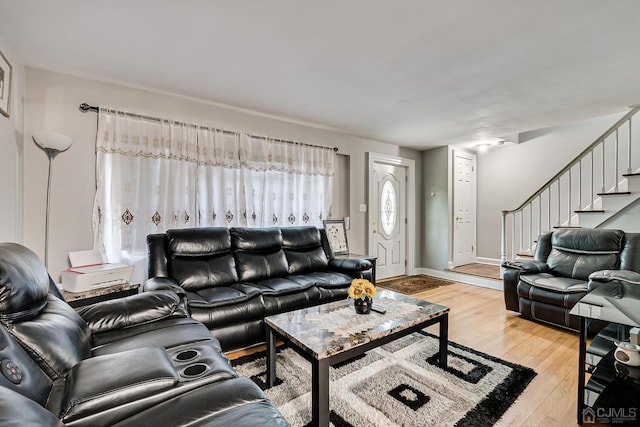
(231, 278)
(547, 287)
(121, 362)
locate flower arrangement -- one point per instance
(361, 289)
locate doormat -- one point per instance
(410, 285)
(397, 384)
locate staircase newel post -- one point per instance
(629, 170)
(503, 239)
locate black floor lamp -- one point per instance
(52, 144)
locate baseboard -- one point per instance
(463, 278)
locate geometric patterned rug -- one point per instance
(398, 384)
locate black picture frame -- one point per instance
(337, 236)
(5, 85)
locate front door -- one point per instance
(388, 220)
(464, 208)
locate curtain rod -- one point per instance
(84, 107)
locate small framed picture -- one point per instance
(337, 236)
(5, 85)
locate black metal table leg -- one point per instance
(444, 339)
(584, 323)
(271, 358)
(320, 393)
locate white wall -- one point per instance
(508, 175)
(52, 104)
(11, 137)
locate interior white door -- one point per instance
(388, 220)
(464, 208)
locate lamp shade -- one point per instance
(52, 141)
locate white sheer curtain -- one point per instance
(256, 182)
(157, 175)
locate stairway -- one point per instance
(595, 188)
(610, 204)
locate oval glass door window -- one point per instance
(388, 208)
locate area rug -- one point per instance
(398, 384)
(410, 285)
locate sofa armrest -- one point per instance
(350, 264)
(92, 387)
(526, 267)
(133, 310)
(164, 283)
(511, 276)
(598, 278)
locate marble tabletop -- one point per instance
(328, 329)
(96, 292)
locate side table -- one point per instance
(119, 290)
(612, 393)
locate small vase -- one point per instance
(363, 306)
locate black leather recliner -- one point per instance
(547, 287)
(231, 278)
(138, 360)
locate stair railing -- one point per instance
(573, 188)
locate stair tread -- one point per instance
(566, 226)
(590, 211)
(525, 254)
(614, 193)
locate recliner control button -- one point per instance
(11, 371)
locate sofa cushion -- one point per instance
(282, 286)
(91, 386)
(303, 249)
(193, 273)
(24, 283)
(167, 333)
(56, 339)
(135, 310)
(323, 279)
(221, 296)
(237, 402)
(630, 256)
(577, 253)
(554, 283)
(258, 253)
(201, 258)
(198, 241)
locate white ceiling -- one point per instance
(417, 73)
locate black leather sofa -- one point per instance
(231, 278)
(567, 262)
(136, 361)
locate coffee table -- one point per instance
(332, 333)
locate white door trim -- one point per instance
(410, 165)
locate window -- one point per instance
(388, 208)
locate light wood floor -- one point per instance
(479, 320)
(478, 269)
